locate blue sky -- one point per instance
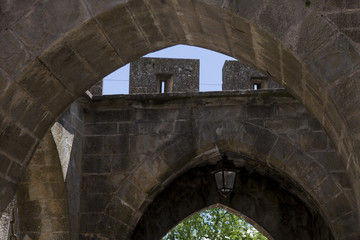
(211, 64)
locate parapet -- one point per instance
(164, 75)
(239, 76)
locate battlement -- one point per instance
(164, 75)
(169, 75)
(240, 76)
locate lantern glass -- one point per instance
(225, 174)
(229, 179)
(219, 180)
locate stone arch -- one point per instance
(279, 140)
(258, 198)
(294, 169)
(47, 50)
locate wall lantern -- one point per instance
(225, 174)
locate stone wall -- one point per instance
(179, 75)
(42, 202)
(53, 51)
(5, 218)
(240, 76)
(68, 136)
(135, 146)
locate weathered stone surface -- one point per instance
(238, 76)
(133, 153)
(328, 60)
(78, 74)
(12, 52)
(43, 209)
(178, 75)
(36, 30)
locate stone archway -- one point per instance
(46, 63)
(261, 199)
(161, 138)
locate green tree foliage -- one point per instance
(214, 224)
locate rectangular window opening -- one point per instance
(165, 83)
(259, 82)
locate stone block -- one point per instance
(67, 15)
(4, 164)
(142, 144)
(313, 141)
(314, 174)
(313, 33)
(333, 61)
(212, 26)
(332, 5)
(280, 152)
(191, 25)
(244, 8)
(91, 37)
(264, 142)
(119, 210)
(240, 38)
(91, 202)
(99, 129)
(97, 184)
(12, 10)
(345, 225)
(267, 54)
(112, 228)
(135, 199)
(94, 145)
(14, 55)
(145, 20)
(115, 23)
(327, 190)
(36, 29)
(292, 72)
(162, 12)
(15, 171)
(10, 136)
(259, 111)
(125, 163)
(143, 177)
(7, 191)
(101, 6)
(71, 70)
(96, 164)
(116, 144)
(37, 78)
(337, 207)
(352, 4)
(110, 116)
(297, 163)
(87, 222)
(342, 179)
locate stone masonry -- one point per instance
(240, 76)
(177, 75)
(53, 51)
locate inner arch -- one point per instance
(217, 221)
(260, 199)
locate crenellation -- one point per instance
(164, 75)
